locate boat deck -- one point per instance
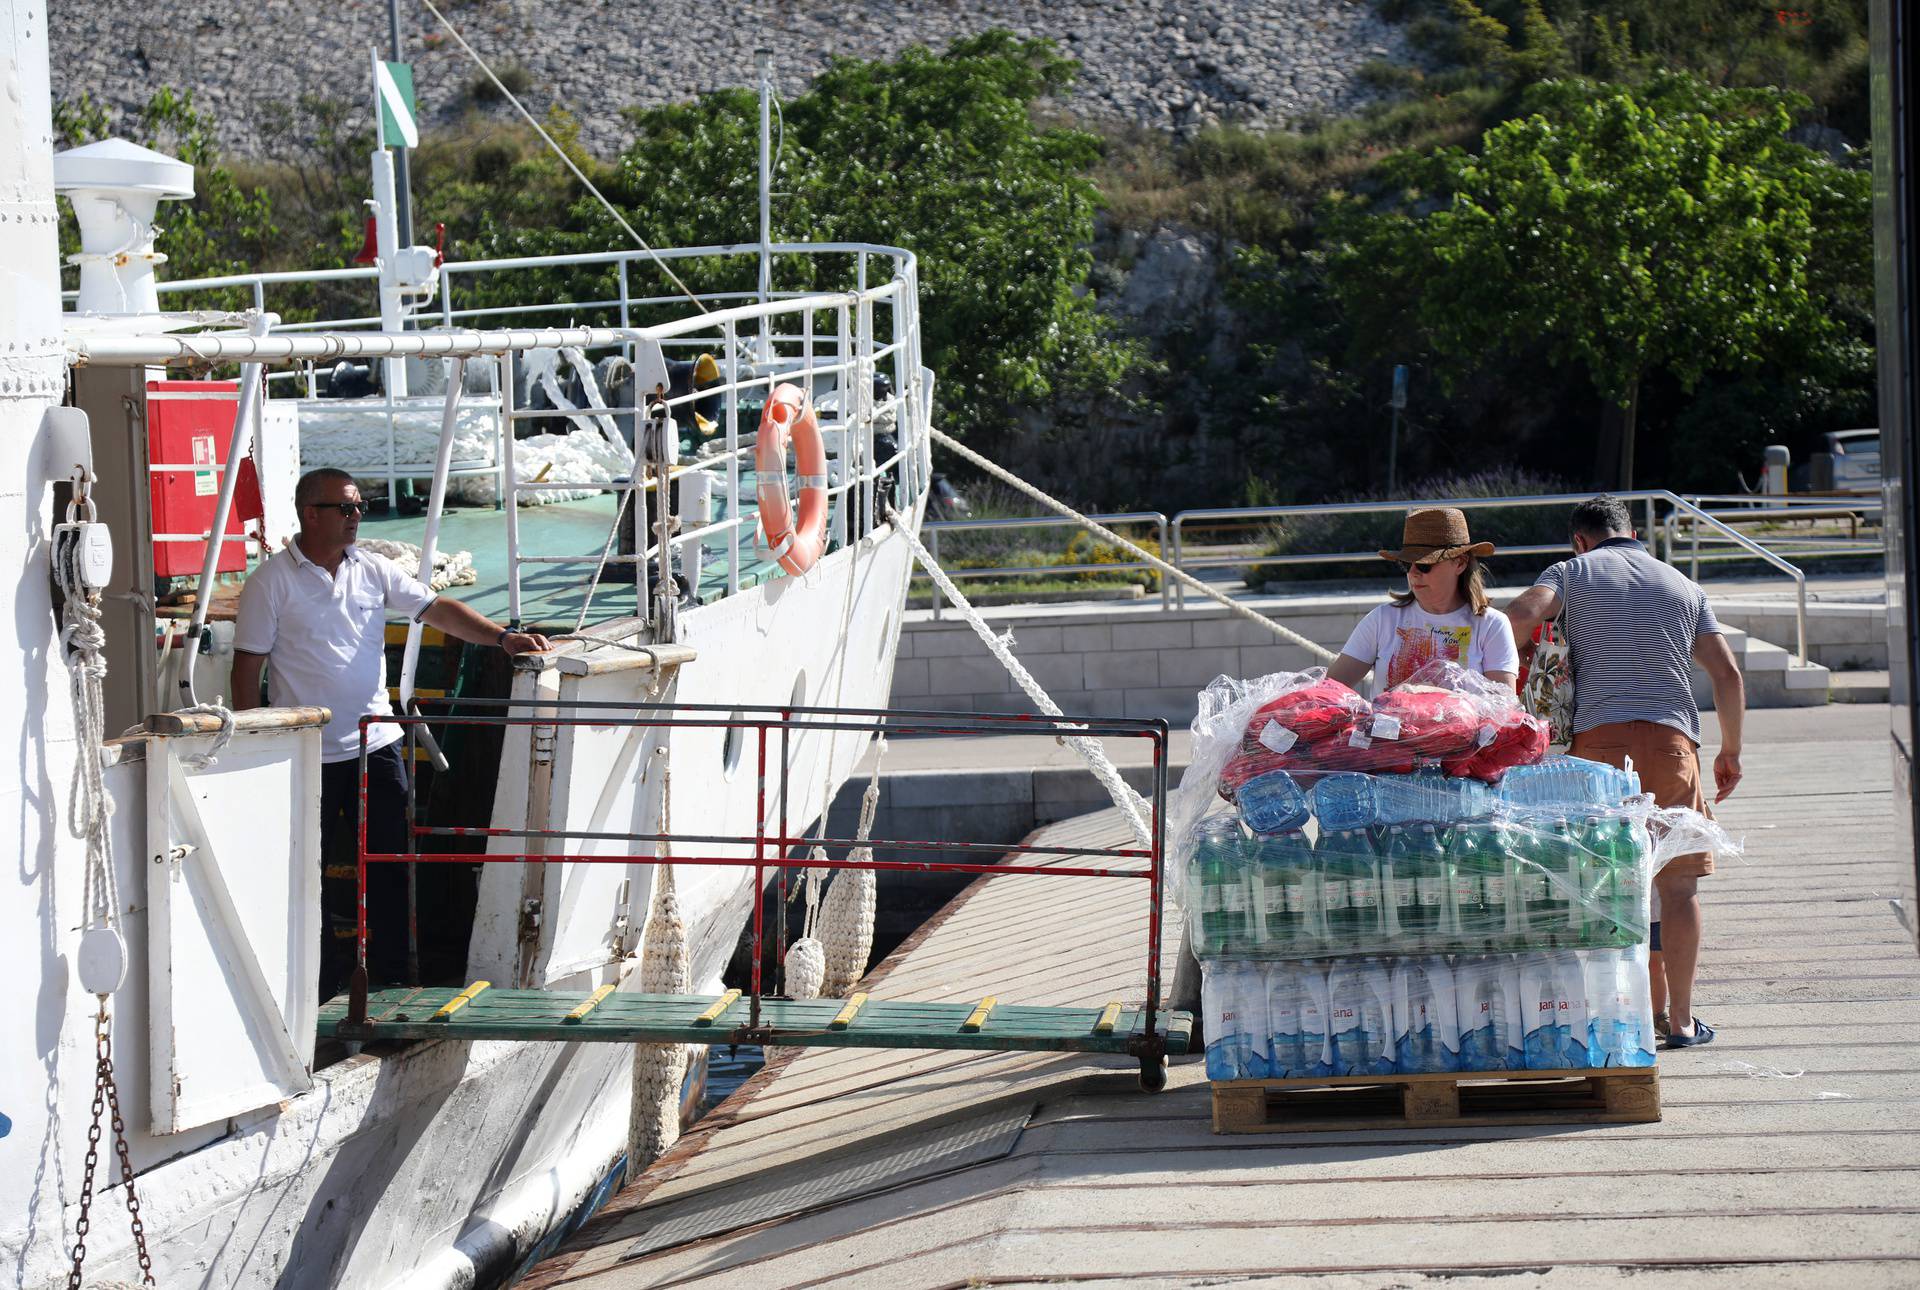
(551, 593)
(1789, 1153)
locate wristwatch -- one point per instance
(501, 639)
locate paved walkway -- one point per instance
(1789, 1155)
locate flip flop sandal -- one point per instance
(1702, 1034)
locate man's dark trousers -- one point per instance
(339, 875)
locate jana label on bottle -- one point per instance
(1273, 897)
(1233, 898)
(1432, 891)
(1333, 893)
(1400, 892)
(1300, 898)
(1533, 887)
(1363, 893)
(1496, 888)
(1466, 890)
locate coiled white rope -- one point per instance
(653, 1115)
(224, 714)
(805, 967)
(1139, 553)
(846, 920)
(1131, 804)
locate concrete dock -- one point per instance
(1789, 1153)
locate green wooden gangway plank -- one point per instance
(534, 1015)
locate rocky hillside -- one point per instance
(1158, 64)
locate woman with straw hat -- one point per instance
(1443, 614)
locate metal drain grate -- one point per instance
(810, 1184)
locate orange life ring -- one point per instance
(797, 545)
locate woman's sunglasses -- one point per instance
(345, 508)
(1424, 566)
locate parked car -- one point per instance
(1856, 460)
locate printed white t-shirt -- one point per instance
(1397, 641)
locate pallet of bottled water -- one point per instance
(1422, 863)
(1561, 1036)
(1442, 923)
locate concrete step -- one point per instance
(1773, 679)
(1858, 687)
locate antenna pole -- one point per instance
(404, 197)
(763, 64)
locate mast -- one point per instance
(763, 64)
(403, 198)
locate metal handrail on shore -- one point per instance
(932, 529)
(1752, 507)
(1651, 499)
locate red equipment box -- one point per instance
(189, 424)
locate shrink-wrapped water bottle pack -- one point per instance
(1471, 906)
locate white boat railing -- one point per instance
(761, 342)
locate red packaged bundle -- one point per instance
(1426, 722)
(1287, 732)
(1517, 739)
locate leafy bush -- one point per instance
(1045, 549)
(1380, 530)
(937, 153)
(514, 76)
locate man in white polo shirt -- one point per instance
(318, 611)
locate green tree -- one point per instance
(1667, 228)
(938, 153)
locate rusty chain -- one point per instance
(106, 1097)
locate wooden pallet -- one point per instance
(1626, 1095)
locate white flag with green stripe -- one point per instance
(397, 124)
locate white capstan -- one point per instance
(326, 634)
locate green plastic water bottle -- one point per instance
(1347, 856)
(1285, 900)
(1478, 869)
(1532, 894)
(1595, 864)
(1417, 853)
(1560, 857)
(1627, 850)
(1221, 881)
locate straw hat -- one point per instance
(1436, 533)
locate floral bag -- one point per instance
(1546, 687)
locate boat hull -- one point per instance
(444, 1164)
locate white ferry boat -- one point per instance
(261, 1159)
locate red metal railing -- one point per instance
(772, 849)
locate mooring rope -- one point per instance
(1131, 804)
(1012, 480)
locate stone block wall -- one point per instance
(1127, 662)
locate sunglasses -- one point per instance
(345, 508)
(1424, 566)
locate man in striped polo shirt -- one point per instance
(1635, 624)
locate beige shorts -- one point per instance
(1668, 764)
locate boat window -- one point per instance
(736, 742)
